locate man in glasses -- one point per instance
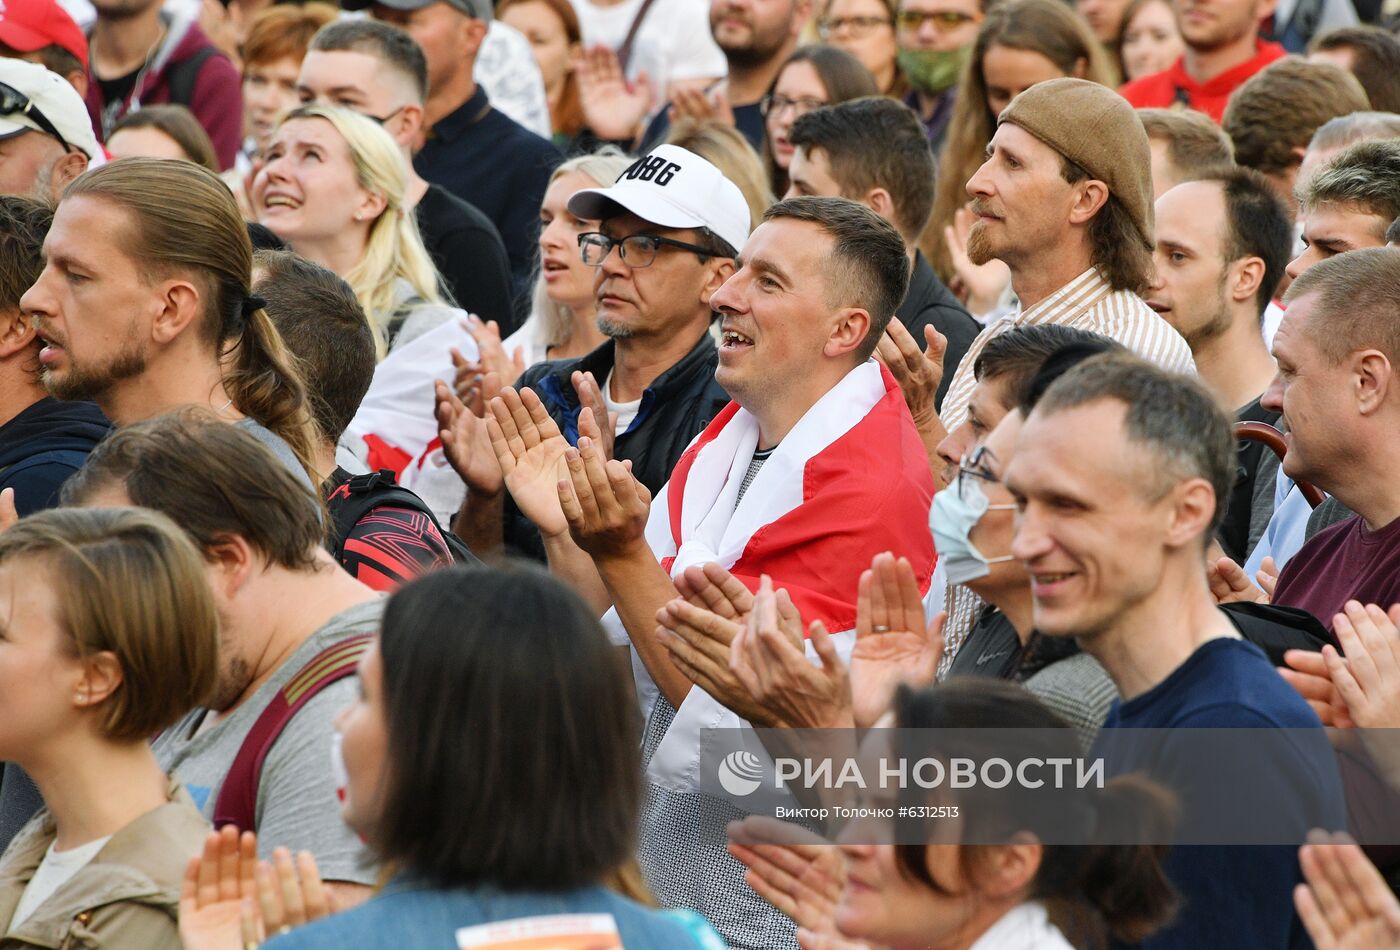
(378, 70)
(665, 243)
(934, 37)
(46, 138)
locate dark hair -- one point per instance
(202, 235)
(1278, 109)
(24, 223)
(1256, 225)
(1357, 310)
(212, 479)
(875, 142)
(53, 57)
(179, 125)
(322, 323)
(1089, 888)
(1017, 356)
(1375, 61)
(1195, 144)
(380, 40)
(869, 263)
(1172, 416)
(1118, 248)
(512, 759)
(1365, 176)
(842, 76)
(263, 238)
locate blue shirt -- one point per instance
(1243, 891)
(409, 914)
(483, 157)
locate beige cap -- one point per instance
(1094, 127)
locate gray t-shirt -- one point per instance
(297, 806)
(277, 445)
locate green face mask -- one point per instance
(932, 71)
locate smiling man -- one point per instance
(1119, 474)
(811, 471)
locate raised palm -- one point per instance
(530, 449)
(893, 644)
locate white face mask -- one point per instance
(956, 511)
(338, 770)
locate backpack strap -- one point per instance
(624, 52)
(181, 77)
(238, 797)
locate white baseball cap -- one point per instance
(50, 95)
(673, 188)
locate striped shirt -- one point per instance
(1086, 303)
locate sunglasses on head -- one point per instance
(14, 102)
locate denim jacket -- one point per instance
(411, 913)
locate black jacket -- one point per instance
(929, 301)
(43, 445)
(674, 410)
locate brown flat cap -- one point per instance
(1094, 127)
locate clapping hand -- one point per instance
(230, 899)
(491, 358)
(1230, 584)
(918, 372)
(530, 450)
(604, 506)
(466, 441)
(612, 107)
(893, 644)
(1345, 904)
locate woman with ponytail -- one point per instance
(144, 306)
(333, 188)
(995, 877)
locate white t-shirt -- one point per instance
(53, 872)
(674, 40)
(626, 411)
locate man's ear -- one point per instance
(67, 168)
(879, 201)
(1244, 278)
(473, 35)
(720, 269)
(78, 79)
(1371, 374)
(233, 561)
(180, 304)
(1092, 196)
(16, 333)
(849, 332)
(407, 126)
(1193, 508)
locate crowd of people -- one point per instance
(426, 424)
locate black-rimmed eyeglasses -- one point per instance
(14, 102)
(637, 250)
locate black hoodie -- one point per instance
(43, 445)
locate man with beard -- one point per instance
(1222, 244)
(144, 305)
(668, 233)
(1223, 49)
(756, 37)
(1065, 201)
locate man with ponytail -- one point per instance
(1120, 473)
(144, 306)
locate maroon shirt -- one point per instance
(1345, 562)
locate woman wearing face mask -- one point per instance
(500, 777)
(973, 524)
(1020, 43)
(333, 188)
(995, 876)
(934, 37)
(812, 77)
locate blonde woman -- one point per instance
(333, 188)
